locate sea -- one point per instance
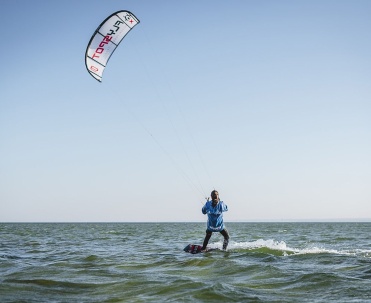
(145, 262)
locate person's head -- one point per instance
(214, 195)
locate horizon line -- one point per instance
(343, 220)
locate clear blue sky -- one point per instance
(269, 102)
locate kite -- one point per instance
(106, 39)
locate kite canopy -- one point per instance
(105, 40)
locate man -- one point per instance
(214, 210)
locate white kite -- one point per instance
(105, 40)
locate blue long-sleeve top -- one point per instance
(215, 215)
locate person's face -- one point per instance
(215, 195)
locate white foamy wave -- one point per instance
(281, 248)
(272, 244)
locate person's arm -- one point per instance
(224, 207)
(204, 211)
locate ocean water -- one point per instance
(145, 262)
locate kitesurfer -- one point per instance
(214, 210)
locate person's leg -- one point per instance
(207, 238)
(225, 234)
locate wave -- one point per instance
(57, 283)
(11, 257)
(280, 248)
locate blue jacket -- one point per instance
(215, 215)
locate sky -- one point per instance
(269, 102)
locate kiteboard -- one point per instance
(196, 249)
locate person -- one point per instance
(214, 210)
